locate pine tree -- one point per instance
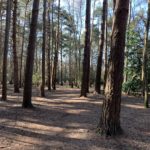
(101, 49)
(87, 48)
(15, 57)
(110, 117)
(30, 57)
(6, 48)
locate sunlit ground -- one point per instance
(64, 121)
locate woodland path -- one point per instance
(63, 121)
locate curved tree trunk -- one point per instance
(110, 117)
(30, 57)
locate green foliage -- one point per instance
(36, 79)
(134, 46)
(134, 56)
(134, 85)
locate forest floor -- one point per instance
(64, 121)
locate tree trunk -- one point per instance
(101, 47)
(87, 48)
(114, 4)
(43, 49)
(56, 49)
(1, 38)
(6, 47)
(52, 50)
(15, 58)
(55, 63)
(126, 49)
(145, 58)
(61, 53)
(30, 57)
(22, 47)
(70, 63)
(49, 49)
(106, 50)
(110, 117)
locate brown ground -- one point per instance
(63, 121)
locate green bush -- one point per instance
(36, 79)
(134, 85)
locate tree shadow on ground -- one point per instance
(62, 120)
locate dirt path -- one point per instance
(63, 121)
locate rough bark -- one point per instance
(15, 57)
(30, 57)
(101, 47)
(110, 117)
(43, 49)
(5, 52)
(87, 48)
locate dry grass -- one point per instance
(63, 121)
